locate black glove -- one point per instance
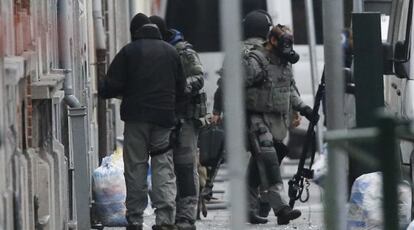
(308, 113)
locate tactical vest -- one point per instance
(195, 106)
(273, 94)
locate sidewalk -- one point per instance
(218, 219)
(312, 211)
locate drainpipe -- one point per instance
(65, 47)
(133, 8)
(98, 25)
(100, 49)
(69, 98)
(77, 126)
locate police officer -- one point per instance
(147, 74)
(270, 96)
(191, 112)
(256, 27)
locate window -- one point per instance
(299, 19)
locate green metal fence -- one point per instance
(384, 136)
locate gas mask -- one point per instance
(284, 48)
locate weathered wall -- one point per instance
(36, 148)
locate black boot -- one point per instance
(255, 219)
(264, 209)
(287, 214)
(164, 227)
(134, 227)
(185, 225)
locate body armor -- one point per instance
(272, 90)
(195, 105)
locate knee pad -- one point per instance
(186, 184)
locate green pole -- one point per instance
(387, 145)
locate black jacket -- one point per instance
(147, 74)
(218, 98)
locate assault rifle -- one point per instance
(297, 183)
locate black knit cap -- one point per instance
(137, 22)
(257, 24)
(162, 26)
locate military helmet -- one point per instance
(257, 24)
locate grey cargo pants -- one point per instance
(139, 139)
(185, 165)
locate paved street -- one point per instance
(312, 211)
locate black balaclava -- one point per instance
(162, 26)
(137, 22)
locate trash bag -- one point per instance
(411, 226)
(320, 167)
(365, 205)
(109, 193)
(117, 158)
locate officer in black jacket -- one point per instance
(191, 112)
(147, 74)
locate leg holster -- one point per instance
(264, 152)
(185, 180)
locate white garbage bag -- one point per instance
(320, 167)
(117, 158)
(110, 192)
(365, 205)
(411, 226)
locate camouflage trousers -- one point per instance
(185, 164)
(268, 181)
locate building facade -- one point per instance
(52, 52)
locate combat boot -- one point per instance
(164, 227)
(134, 227)
(185, 225)
(286, 214)
(264, 209)
(255, 219)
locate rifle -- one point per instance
(297, 183)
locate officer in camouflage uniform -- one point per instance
(256, 26)
(191, 113)
(270, 96)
